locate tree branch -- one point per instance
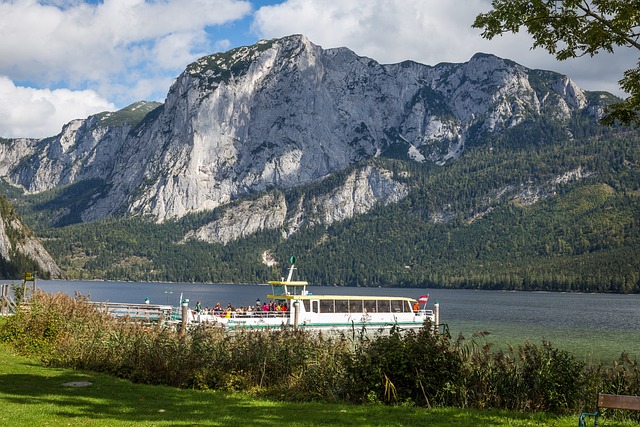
(627, 37)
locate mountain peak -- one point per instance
(280, 114)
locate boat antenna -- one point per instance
(292, 260)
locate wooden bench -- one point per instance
(610, 401)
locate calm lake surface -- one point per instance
(592, 326)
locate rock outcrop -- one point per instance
(18, 241)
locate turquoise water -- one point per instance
(591, 326)
(585, 344)
(594, 327)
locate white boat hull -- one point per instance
(318, 321)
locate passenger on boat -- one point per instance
(197, 311)
(416, 306)
(217, 309)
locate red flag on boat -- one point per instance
(423, 299)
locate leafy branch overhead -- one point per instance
(574, 28)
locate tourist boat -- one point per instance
(302, 309)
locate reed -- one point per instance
(408, 368)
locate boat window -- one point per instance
(355, 306)
(326, 306)
(315, 306)
(383, 306)
(370, 306)
(342, 306)
(307, 307)
(396, 306)
(278, 290)
(407, 307)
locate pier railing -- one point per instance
(145, 312)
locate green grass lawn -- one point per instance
(33, 395)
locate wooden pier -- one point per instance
(145, 312)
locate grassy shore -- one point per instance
(31, 394)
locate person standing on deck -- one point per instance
(198, 310)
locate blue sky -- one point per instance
(66, 59)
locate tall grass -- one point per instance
(416, 368)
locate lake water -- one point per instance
(590, 325)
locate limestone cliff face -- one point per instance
(244, 219)
(12, 151)
(17, 240)
(362, 190)
(277, 115)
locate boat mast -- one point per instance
(292, 260)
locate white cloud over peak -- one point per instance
(20, 105)
(83, 41)
(426, 31)
(114, 48)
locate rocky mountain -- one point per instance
(20, 250)
(362, 190)
(277, 115)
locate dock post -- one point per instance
(296, 309)
(185, 315)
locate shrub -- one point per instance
(50, 321)
(404, 366)
(533, 378)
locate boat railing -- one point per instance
(249, 314)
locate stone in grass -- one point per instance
(77, 384)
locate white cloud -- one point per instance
(116, 48)
(88, 42)
(426, 31)
(34, 113)
(169, 51)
